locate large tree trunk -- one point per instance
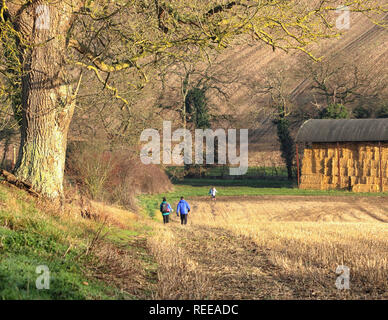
(47, 97)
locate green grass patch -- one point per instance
(30, 238)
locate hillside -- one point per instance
(104, 257)
(363, 41)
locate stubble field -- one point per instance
(275, 247)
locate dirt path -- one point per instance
(233, 264)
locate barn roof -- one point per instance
(328, 130)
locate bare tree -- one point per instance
(340, 80)
(179, 79)
(50, 46)
(277, 86)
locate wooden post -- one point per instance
(339, 165)
(381, 168)
(297, 163)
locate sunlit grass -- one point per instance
(82, 264)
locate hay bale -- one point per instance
(359, 167)
(311, 179)
(310, 186)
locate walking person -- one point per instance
(165, 209)
(183, 209)
(213, 192)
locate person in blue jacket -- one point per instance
(165, 209)
(183, 209)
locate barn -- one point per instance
(343, 154)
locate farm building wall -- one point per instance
(359, 166)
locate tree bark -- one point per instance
(47, 96)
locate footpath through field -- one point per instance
(233, 265)
(277, 247)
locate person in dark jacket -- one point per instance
(183, 209)
(165, 209)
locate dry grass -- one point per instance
(114, 215)
(125, 267)
(283, 247)
(179, 277)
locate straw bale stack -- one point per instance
(359, 167)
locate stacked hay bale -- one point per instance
(359, 167)
(312, 168)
